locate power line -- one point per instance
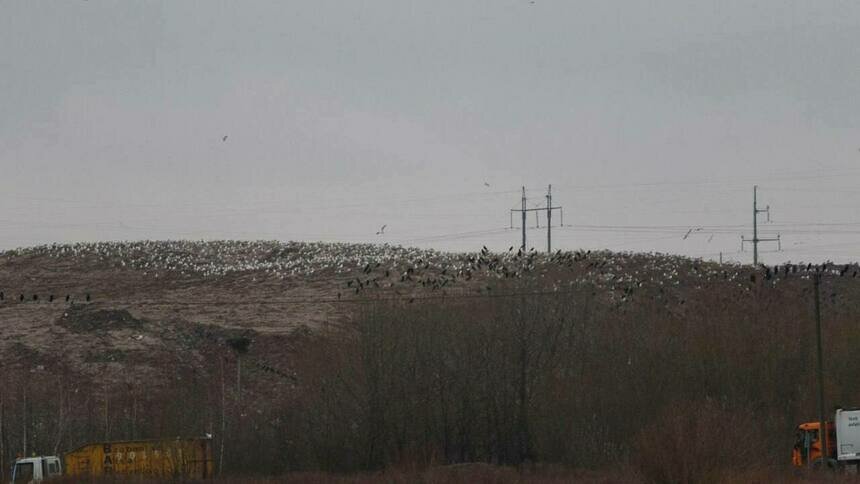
(277, 205)
(820, 173)
(456, 235)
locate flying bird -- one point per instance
(697, 229)
(381, 230)
(224, 138)
(486, 184)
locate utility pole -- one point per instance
(549, 219)
(822, 426)
(549, 208)
(755, 239)
(240, 346)
(223, 434)
(524, 219)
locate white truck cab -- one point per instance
(847, 435)
(36, 469)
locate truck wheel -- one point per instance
(831, 464)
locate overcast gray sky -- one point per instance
(649, 118)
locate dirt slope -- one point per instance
(102, 308)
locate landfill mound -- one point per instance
(82, 319)
(161, 305)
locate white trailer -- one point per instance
(847, 436)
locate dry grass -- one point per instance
(474, 473)
(478, 473)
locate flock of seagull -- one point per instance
(51, 298)
(354, 268)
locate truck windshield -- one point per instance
(23, 473)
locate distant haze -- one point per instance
(649, 119)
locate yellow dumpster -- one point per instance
(162, 458)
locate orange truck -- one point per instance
(188, 458)
(841, 438)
